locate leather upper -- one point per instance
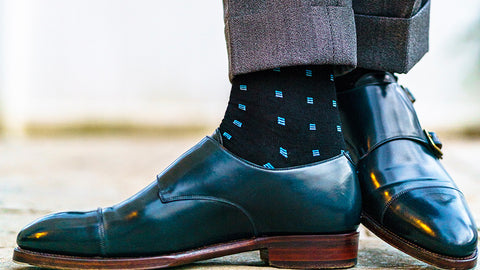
(208, 196)
(404, 186)
(385, 113)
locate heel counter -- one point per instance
(334, 199)
(355, 206)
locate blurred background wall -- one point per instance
(71, 65)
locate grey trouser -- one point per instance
(389, 35)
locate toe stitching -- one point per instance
(402, 193)
(101, 231)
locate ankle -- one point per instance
(283, 117)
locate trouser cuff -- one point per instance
(291, 36)
(392, 44)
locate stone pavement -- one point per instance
(43, 175)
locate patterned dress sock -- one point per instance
(283, 117)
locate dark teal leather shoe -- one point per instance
(210, 203)
(409, 200)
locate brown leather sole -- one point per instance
(300, 252)
(417, 252)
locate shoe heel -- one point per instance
(312, 251)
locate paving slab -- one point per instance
(44, 175)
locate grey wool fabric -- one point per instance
(393, 38)
(389, 35)
(264, 34)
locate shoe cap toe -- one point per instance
(436, 219)
(69, 233)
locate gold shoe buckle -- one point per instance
(436, 150)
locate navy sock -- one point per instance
(283, 117)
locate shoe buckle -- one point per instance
(434, 143)
(408, 93)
